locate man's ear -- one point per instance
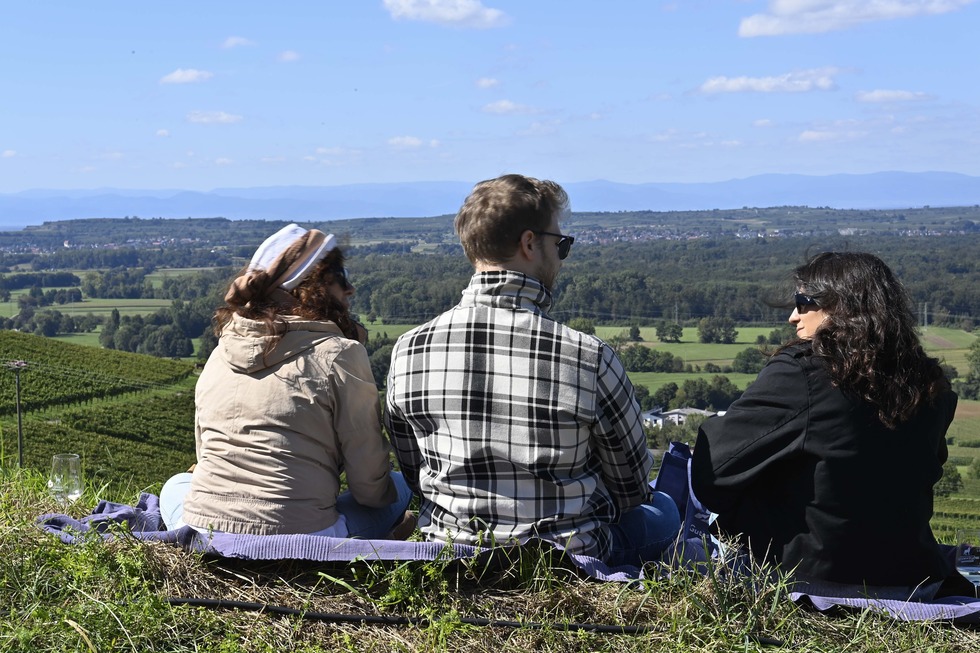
(525, 246)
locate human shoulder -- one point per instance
(796, 356)
(786, 371)
(422, 329)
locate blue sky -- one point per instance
(202, 95)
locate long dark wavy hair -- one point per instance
(311, 299)
(869, 337)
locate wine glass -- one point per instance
(65, 482)
(968, 554)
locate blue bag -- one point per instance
(674, 479)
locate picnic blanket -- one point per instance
(144, 522)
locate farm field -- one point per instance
(156, 278)
(94, 306)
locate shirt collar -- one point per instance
(507, 289)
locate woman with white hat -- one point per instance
(287, 403)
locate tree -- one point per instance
(108, 336)
(718, 394)
(669, 332)
(717, 329)
(380, 361)
(950, 482)
(634, 333)
(208, 343)
(974, 471)
(166, 341)
(582, 324)
(749, 361)
(782, 335)
(665, 394)
(973, 358)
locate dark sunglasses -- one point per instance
(564, 243)
(342, 276)
(803, 302)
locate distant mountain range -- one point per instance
(883, 190)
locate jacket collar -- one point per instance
(507, 289)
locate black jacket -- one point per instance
(812, 479)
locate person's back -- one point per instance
(510, 401)
(826, 463)
(510, 425)
(825, 488)
(286, 404)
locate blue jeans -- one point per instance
(374, 523)
(644, 532)
(362, 521)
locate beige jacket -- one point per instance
(275, 430)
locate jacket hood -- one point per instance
(246, 344)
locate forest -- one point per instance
(720, 269)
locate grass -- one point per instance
(119, 596)
(392, 330)
(102, 596)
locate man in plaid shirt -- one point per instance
(510, 425)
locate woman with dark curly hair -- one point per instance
(826, 463)
(286, 404)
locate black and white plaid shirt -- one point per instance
(510, 425)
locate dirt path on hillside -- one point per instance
(935, 342)
(966, 409)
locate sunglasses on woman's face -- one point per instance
(342, 277)
(804, 302)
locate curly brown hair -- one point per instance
(256, 300)
(869, 339)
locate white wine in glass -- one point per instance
(65, 482)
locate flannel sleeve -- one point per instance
(618, 435)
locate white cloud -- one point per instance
(665, 136)
(236, 41)
(273, 160)
(211, 117)
(881, 95)
(507, 107)
(818, 16)
(111, 156)
(163, 133)
(816, 79)
(454, 13)
(289, 56)
(540, 128)
(763, 122)
(487, 82)
(405, 142)
(828, 135)
(816, 135)
(434, 143)
(189, 76)
(9, 154)
(222, 161)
